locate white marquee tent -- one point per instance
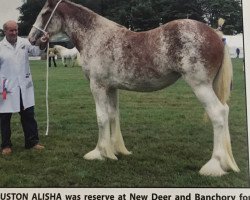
(234, 42)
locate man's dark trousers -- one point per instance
(29, 125)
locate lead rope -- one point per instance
(47, 67)
(47, 90)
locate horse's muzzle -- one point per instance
(34, 35)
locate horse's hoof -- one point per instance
(109, 155)
(96, 154)
(93, 155)
(123, 151)
(126, 153)
(212, 168)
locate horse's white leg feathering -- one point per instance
(222, 159)
(104, 148)
(117, 141)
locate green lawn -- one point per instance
(164, 130)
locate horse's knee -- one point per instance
(102, 121)
(218, 115)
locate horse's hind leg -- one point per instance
(73, 61)
(103, 148)
(64, 61)
(116, 135)
(222, 158)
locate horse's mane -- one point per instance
(80, 6)
(93, 15)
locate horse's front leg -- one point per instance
(103, 148)
(116, 135)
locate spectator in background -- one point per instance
(52, 55)
(224, 40)
(237, 53)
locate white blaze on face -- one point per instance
(38, 23)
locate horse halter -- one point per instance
(43, 30)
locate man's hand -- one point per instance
(43, 41)
(45, 38)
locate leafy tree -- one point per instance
(31, 9)
(147, 14)
(230, 10)
(29, 12)
(179, 9)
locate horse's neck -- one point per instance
(81, 28)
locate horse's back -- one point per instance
(176, 46)
(191, 42)
(65, 52)
(152, 60)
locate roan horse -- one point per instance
(116, 58)
(66, 54)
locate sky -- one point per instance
(8, 10)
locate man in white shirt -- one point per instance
(16, 86)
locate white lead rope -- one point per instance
(47, 90)
(47, 67)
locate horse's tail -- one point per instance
(222, 86)
(223, 81)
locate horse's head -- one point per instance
(48, 20)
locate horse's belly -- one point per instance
(147, 85)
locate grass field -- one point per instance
(164, 130)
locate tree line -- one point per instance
(141, 15)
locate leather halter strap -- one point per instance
(52, 14)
